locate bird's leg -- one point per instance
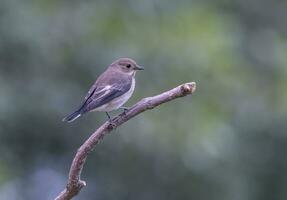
(110, 119)
(112, 124)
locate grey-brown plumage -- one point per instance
(111, 90)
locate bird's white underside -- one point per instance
(118, 101)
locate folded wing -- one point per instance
(99, 96)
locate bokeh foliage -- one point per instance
(228, 141)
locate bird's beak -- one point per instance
(138, 67)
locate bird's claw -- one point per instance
(125, 109)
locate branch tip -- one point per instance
(188, 88)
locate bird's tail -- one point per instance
(72, 116)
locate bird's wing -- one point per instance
(98, 96)
(91, 91)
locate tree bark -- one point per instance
(75, 184)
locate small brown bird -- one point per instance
(111, 90)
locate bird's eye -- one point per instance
(128, 66)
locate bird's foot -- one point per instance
(112, 125)
(111, 122)
(125, 109)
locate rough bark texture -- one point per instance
(75, 184)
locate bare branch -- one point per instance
(75, 184)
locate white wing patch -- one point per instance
(105, 89)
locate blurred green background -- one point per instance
(227, 141)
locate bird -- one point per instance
(111, 90)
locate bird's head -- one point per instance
(126, 65)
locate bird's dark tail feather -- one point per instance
(72, 116)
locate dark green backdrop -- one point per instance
(228, 141)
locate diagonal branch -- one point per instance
(75, 184)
